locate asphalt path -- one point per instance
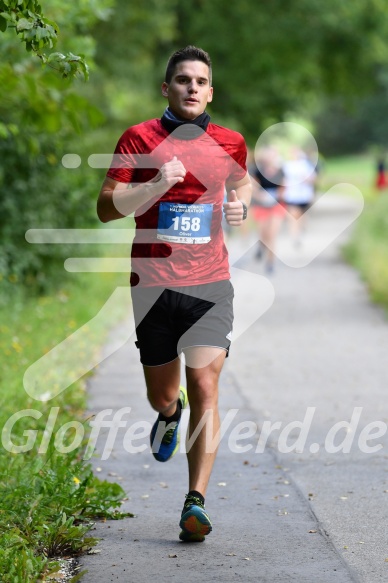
(295, 494)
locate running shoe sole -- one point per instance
(195, 525)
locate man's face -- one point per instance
(189, 89)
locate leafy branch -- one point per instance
(39, 33)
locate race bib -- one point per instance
(184, 223)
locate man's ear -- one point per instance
(165, 89)
(210, 96)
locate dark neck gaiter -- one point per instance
(189, 129)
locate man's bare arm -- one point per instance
(117, 200)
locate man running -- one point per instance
(172, 174)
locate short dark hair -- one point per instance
(189, 53)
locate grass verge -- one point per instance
(357, 170)
(49, 494)
(368, 248)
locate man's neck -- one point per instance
(180, 118)
(193, 127)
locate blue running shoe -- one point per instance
(195, 523)
(165, 438)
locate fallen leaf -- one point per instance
(343, 497)
(221, 484)
(230, 555)
(247, 559)
(163, 485)
(246, 463)
(172, 556)
(145, 496)
(56, 576)
(312, 531)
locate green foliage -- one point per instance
(46, 512)
(48, 499)
(343, 127)
(368, 249)
(38, 33)
(129, 78)
(274, 57)
(42, 194)
(23, 565)
(271, 59)
(40, 115)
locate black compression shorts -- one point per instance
(170, 320)
(303, 206)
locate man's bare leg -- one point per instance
(202, 389)
(203, 367)
(295, 216)
(163, 386)
(168, 399)
(270, 232)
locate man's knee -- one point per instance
(161, 401)
(203, 392)
(162, 385)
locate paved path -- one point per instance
(277, 516)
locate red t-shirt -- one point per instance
(179, 239)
